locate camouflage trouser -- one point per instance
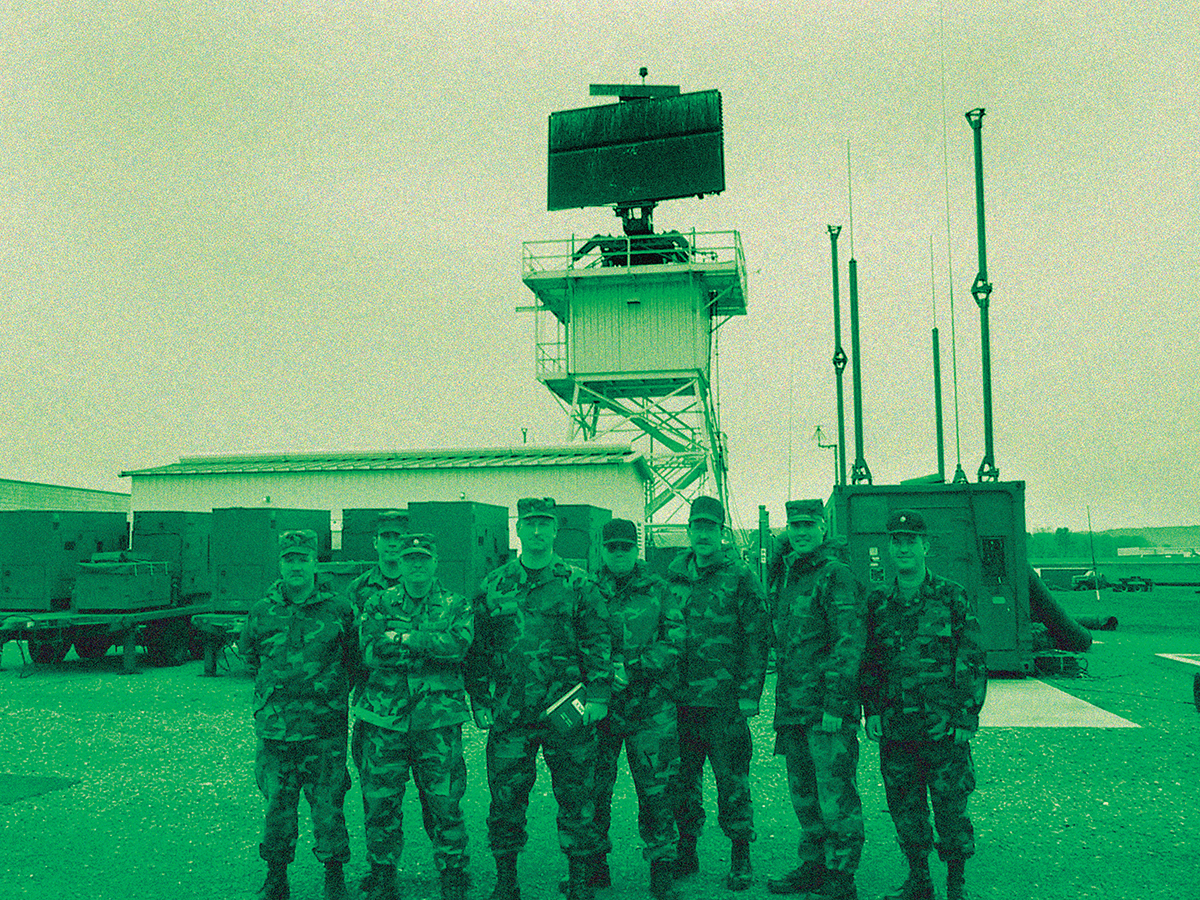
(821, 768)
(356, 757)
(652, 749)
(282, 769)
(946, 770)
(722, 736)
(511, 765)
(435, 758)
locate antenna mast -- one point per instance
(981, 290)
(861, 472)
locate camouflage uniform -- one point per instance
(537, 635)
(819, 619)
(924, 676)
(647, 631)
(304, 655)
(369, 585)
(721, 674)
(366, 587)
(411, 710)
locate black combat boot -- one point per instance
(662, 882)
(381, 883)
(454, 884)
(805, 879)
(836, 885)
(335, 881)
(598, 874)
(579, 878)
(506, 878)
(918, 885)
(739, 866)
(956, 885)
(276, 885)
(686, 861)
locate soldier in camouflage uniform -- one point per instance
(647, 630)
(414, 637)
(819, 619)
(389, 544)
(389, 533)
(301, 643)
(721, 673)
(924, 680)
(540, 630)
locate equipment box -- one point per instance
(40, 551)
(472, 539)
(358, 534)
(244, 551)
(180, 539)
(121, 586)
(977, 538)
(579, 529)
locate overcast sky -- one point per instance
(242, 229)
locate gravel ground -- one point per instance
(160, 803)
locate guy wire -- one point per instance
(949, 252)
(850, 196)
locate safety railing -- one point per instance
(688, 249)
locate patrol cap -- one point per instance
(618, 531)
(300, 541)
(392, 520)
(805, 511)
(418, 545)
(906, 521)
(536, 507)
(707, 509)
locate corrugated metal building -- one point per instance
(609, 476)
(32, 495)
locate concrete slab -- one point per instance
(1029, 703)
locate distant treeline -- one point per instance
(1063, 543)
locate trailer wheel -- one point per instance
(167, 642)
(48, 651)
(92, 646)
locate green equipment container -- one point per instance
(579, 530)
(244, 550)
(40, 553)
(977, 534)
(122, 585)
(358, 534)
(472, 539)
(181, 539)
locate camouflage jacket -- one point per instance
(924, 670)
(647, 634)
(367, 586)
(727, 635)
(819, 617)
(418, 685)
(304, 656)
(537, 636)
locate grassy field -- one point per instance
(119, 786)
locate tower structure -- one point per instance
(626, 325)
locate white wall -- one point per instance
(615, 487)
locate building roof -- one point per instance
(6, 483)
(403, 460)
